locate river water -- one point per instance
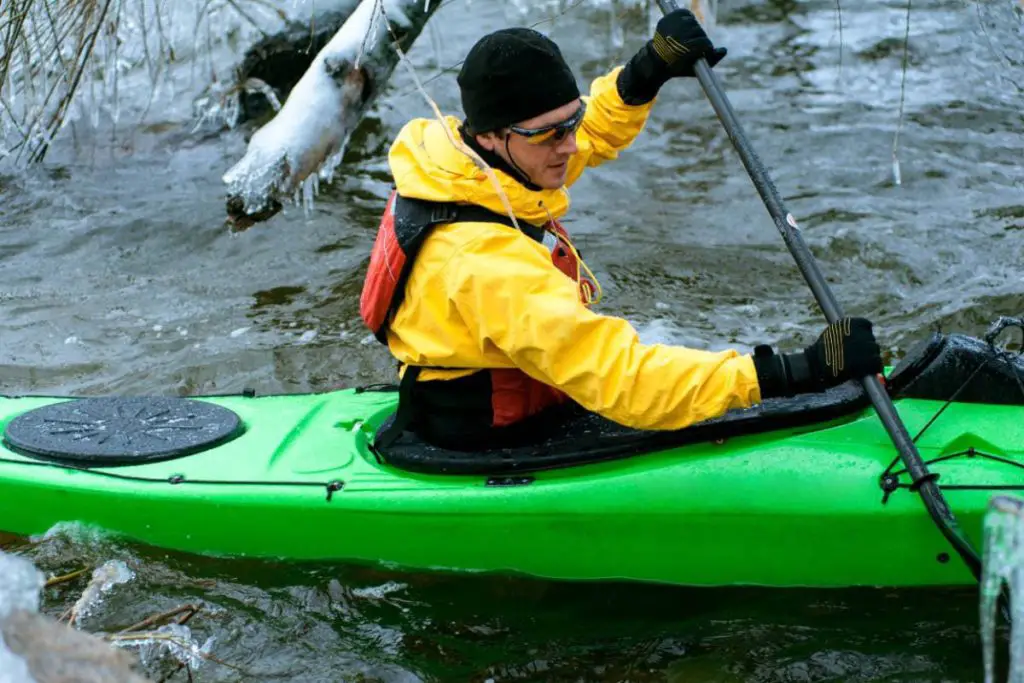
(118, 275)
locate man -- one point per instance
(489, 317)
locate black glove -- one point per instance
(679, 41)
(845, 350)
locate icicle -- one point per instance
(1003, 564)
(310, 189)
(330, 165)
(616, 34)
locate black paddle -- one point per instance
(786, 224)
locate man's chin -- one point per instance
(554, 179)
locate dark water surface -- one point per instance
(279, 622)
(118, 276)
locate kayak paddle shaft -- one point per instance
(787, 226)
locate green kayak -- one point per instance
(806, 491)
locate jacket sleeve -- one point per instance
(609, 126)
(513, 299)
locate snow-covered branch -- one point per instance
(305, 141)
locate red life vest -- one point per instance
(513, 395)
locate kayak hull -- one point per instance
(790, 507)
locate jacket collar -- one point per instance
(494, 160)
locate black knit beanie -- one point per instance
(512, 75)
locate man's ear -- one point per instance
(489, 141)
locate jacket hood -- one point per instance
(426, 165)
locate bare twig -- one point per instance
(839, 20)
(244, 15)
(64, 578)
(276, 10)
(49, 50)
(187, 616)
(57, 39)
(1007, 61)
(58, 117)
(164, 616)
(14, 29)
(170, 638)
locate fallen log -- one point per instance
(304, 142)
(273, 65)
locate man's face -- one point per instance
(540, 146)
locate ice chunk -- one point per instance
(171, 639)
(104, 577)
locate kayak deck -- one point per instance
(797, 506)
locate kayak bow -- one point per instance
(924, 481)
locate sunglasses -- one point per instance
(555, 133)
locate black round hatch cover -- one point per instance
(112, 431)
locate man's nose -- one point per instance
(568, 144)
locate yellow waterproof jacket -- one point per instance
(483, 295)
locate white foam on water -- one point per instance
(378, 592)
(75, 533)
(669, 331)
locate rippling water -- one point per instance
(320, 623)
(118, 275)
